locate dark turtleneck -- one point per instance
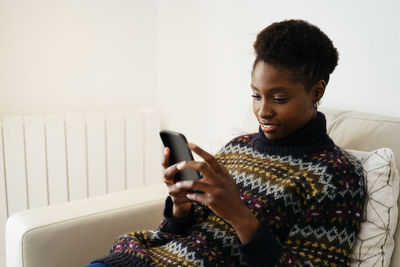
(310, 138)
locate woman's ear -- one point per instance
(318, 90)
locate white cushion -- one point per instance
(375, 243)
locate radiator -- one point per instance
(48, 159)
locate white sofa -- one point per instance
(74, 233)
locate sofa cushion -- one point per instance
(375, 243)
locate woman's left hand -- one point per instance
(220, 193)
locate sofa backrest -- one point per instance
(364, 131)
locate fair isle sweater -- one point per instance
(307, 193)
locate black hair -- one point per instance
(299, 47)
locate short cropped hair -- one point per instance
(299, 47)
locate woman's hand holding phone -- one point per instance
(182, 204)
(220, 193)
(216, 188)
(177, 150)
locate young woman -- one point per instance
(285, 196)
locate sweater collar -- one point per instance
(311, 137)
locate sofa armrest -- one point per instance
(74, 233)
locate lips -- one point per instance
(269, 127)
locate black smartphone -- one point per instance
(180, 151)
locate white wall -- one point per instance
(191, 59)
(205, 57)
(74, 55)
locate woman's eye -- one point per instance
(257, 97)
(281, 100)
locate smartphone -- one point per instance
(180, 151)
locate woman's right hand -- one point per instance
(182, 204)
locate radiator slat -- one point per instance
(115, 152)
(3, 198)
(96, 154)
(153, 147)
(36, 161)
(134, 149)
(14, 152)
(76, 156)
(56, 158)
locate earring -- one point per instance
(315, 105)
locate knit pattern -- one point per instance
(309, 206)
(313, 204)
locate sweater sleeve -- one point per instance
(197, 213)
(325, 233)
(263, 249)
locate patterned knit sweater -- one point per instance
(307, 193)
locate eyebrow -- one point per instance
(273, 89)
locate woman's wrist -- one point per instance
(246, 225)
(181, 211)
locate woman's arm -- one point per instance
(263, 249)
(219, 193)
(326, 231)
(179, 211)
(322, 236)
(174, 225)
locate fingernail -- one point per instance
(180, 165)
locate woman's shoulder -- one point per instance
(342, 159)
(237, 144)
(345, 169)
(339, 161)
(241, 140)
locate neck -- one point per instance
(309, 138)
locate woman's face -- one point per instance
(281, 104)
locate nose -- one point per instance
(265, 110)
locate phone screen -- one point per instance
(180, 151)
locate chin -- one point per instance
(273, 137)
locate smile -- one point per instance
(268, 128)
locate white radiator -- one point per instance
(48, 159)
